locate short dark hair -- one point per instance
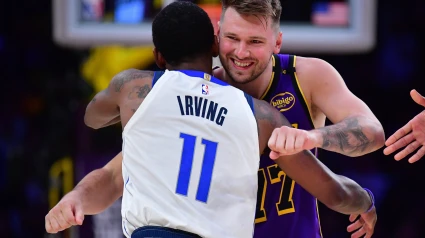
(264, 8)
(182, 31)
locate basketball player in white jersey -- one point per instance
(191, 144)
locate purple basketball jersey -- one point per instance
(285, 209)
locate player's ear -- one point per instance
(278, 45)
(214, 48)
(159, 59)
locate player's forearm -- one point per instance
(352, 199)
(102, 111)
(98, 190)
(354, 136)
(340, 194)
(113, 121)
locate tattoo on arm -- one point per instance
(346, 137)
(139, 92)
(128, 75)
(98, 95)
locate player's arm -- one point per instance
(104, 109)
(337, 192)
(102, 187)
(92, 195)
(356, 131)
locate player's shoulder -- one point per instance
(128, 75)
(134, 73)
(314, 72)
(311, 65)
(265, 113)
(219, 72)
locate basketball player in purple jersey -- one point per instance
(306, 91)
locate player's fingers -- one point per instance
(272, 139)
(274, 155)
(48, 226)
(61, 221)
(68, 216)
(399, 134)
(399, 144)
(369, 232)
(353, 217)
(356, 225)
(417, 97)
(409, 149)
(281, 140)
(290, 141)
(359, 233)
(300, 141)
(79, 216)
(55, 225)
(418, 155)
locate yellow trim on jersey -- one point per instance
(281, 177)
(302, 93)
(271, 80)
(263, 196)
(318, 218)
(288, 210)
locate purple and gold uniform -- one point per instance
(284, 208)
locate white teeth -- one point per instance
(240, 64)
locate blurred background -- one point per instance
(55, 55)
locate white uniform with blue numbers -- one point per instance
(191, 158)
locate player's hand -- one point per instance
(68, 212)
(365, 225)
(287, 141)
(411, 136)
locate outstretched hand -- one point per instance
(365, 225)
(411, 136)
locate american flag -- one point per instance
(330, 14)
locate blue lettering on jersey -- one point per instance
(200, 107)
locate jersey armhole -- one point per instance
(289, 65)
(156, 76)
(250, 102)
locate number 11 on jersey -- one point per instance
(189, 142)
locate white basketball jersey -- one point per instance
(191, 158)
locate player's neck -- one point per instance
(263, 81)
(200, 64)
